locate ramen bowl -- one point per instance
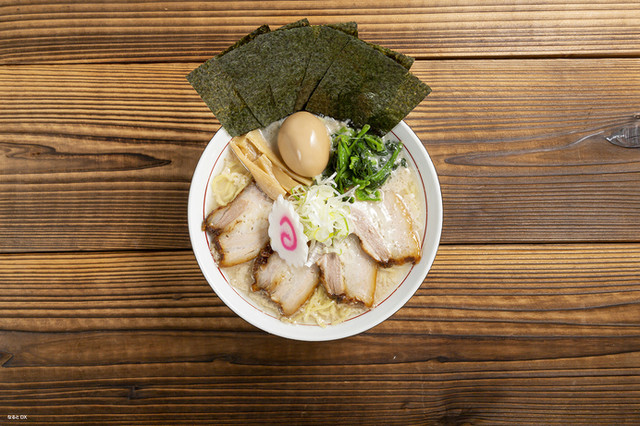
(211, 162)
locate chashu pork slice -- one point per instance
(289, 286)
(350, 275)
(386, 230)
(239, 230)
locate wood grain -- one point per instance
(507, 333)
(81, 144)
(37, 32)
(528, 139)
(105, 317)
(483, 290)
(99, 157)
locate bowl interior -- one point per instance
(199, 206)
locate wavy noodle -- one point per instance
(324, 311)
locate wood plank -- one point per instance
(591, 390)
(100, 157)
(96, 157)
(483, 291)
(160, 31)
(495, 332)
(520, 148)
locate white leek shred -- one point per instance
(323, 211)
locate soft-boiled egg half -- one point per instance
(304, 143)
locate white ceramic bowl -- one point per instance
(209, 164)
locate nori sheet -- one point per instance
(216, 89)
(285, 57)
(401, 58)
(350, 27)
(304, 22)
(410, 93)
(328, 43)
(245, 66)
(358, 84)
(246, 39)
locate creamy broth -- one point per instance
(320, 309)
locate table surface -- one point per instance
(530, 312)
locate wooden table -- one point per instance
(531, 312)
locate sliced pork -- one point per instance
(239, 230)
(386, 230)
(331, 275)
(351, 275)
(288, 286)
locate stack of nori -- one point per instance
(267, 75)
